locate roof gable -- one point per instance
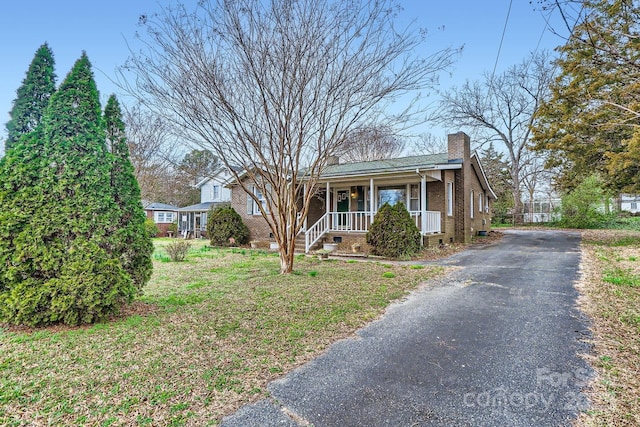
(221, 176)
(482, 176)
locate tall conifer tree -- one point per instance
(591, 121)
(32, 96)
(135, 245)
(62, 263)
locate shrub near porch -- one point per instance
(393, 233)
(208, 335)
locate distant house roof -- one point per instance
(202, 207)
(156, 206)
(215, 174)
(410, 163)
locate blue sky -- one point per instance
(103, 28)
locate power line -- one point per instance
(504, 30)
(544, 30)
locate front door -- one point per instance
(342, 206)
(196, 226)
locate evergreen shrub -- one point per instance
(150, 227)
(225, 227)
(393, 233)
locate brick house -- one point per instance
(448, 196)
(162, 214)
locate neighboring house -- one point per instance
(629, 203)
(542, 210)
(162, 214)
(214, 190)
(447, 195)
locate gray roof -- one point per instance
(202, 207)
(155, 206)
(382, 166)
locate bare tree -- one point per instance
(502, 108)
(371, 143)
(153, 152)
(275, 86)
(429, 144)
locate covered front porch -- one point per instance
(351, 206)
(192, 220)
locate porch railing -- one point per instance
(359, 222)
(432, 221)
(315, 232)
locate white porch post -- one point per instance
(407, 197)
(373, 198)
(328, 199)
(328, 204)
(423, 203)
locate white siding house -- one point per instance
(192, 220)
(630, 203)
(214, 189)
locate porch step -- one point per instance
(300, 244)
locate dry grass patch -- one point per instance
(214, 330)
(610, 289)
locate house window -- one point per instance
(480, 202)
(486, 205)
(449, 198)
(414, 197)
(252, 205)
(634, 205)
(391, 195)
(164, 217)
(215, 192)
(471, 203)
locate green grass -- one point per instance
(619, 276)
(206, 337)
(623, 223)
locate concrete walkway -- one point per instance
(497, 343)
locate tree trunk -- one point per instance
(517, 206)
(287, 252)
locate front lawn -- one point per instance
(206, 337)
(610, 289)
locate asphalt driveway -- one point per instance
(497, 343)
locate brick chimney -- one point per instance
(459, 147)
